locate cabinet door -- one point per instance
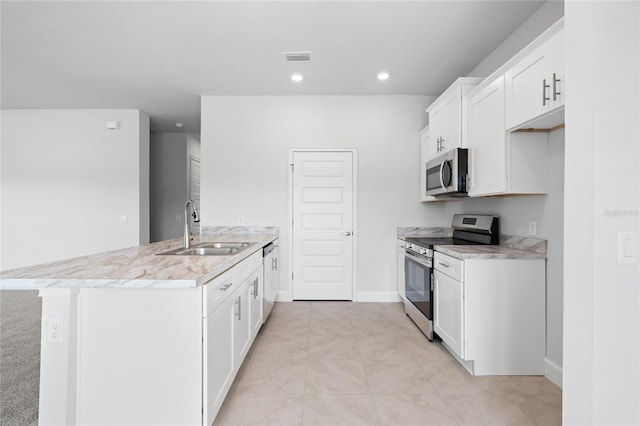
(400, 269)
(448, 311)
(256, 298)
(529, 86)
(557, 96)
(451, 132)
(219, 368)
(242, 321)
(487, 141)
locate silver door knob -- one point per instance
(346, 234)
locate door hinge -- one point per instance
(292, 276)
(291, 164)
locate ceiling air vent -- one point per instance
(297, 56)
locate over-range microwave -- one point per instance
(447, 174)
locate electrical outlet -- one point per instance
(54, 331)
(240, 220)
(533, 229)
(13, 260)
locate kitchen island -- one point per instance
(129, 337)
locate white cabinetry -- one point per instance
(447, 117)
(487, 141)
(502, 163)
(271, 279)
(447, 295)
(233, 316)
(535, 85)
(219, 368)
(490, 313)
(256, 297)
(400, 269)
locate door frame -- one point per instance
(354, 230)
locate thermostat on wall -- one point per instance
(113, 125)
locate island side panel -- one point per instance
(140, 356)
(58, 350)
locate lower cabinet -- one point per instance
(400, 270)
(448, 303)
(219, 366)
(231, 324)
(490, 313)
(256, 298)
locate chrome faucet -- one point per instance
(187, 226)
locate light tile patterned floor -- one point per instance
(343, 363)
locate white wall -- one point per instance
(602, 297)
(170, 162)
(546, 15)
(66, 180)
(245, 151)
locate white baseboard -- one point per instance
(378, 296)
(553, 372)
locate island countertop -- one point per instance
(136, 267)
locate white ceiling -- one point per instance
(160, 56)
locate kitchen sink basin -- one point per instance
(221, 245)
(208, 249)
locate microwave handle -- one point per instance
(441, 180)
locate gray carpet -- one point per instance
(20, 313)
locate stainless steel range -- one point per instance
(468, 229)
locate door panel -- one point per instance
(322, 217)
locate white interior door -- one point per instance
(322, 225)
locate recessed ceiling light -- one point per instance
(383, 75)
(179, 125)
(297, 77)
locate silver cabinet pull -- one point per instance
(347, 233)
(443, 264)
(255, 288)
(225, 287)
(556, 92)
(545, 86)
(239, 303)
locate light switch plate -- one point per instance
(627, 248)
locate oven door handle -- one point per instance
(428, 262)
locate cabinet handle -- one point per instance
(255, 288)
(443, 264)
(556, 93)
(239, 303)
(225, 287)
(545, 86)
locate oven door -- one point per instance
(418, 283)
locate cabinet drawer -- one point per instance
(449, 265)
(217, 290)
(223, 285)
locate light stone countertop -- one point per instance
(137, 267)
(488, 252)
(511, 247)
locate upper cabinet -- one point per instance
(487, 141)
(534, 86)
(447, 117)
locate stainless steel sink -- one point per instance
(222, 245)
(208, 249)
